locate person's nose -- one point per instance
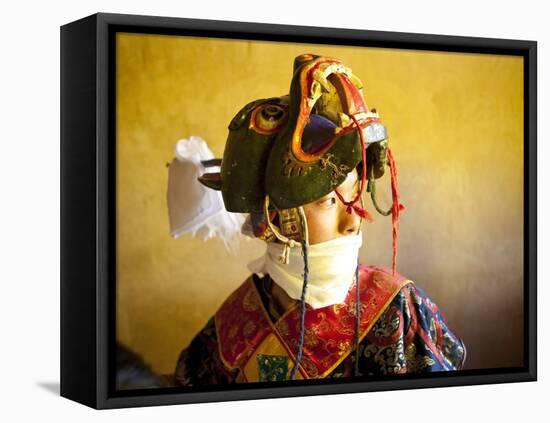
(349, 223)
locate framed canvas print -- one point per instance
(259, 211)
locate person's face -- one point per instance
(327, 218)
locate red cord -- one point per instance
(352, 205)
(397, 208)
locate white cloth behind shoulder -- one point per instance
(192, 207)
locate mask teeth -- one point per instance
(344, 120)
(320, 77)
(356, 81)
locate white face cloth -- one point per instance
(331, 273)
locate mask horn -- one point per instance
(211, 180)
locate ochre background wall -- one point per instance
(456, 129)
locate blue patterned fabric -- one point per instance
(411, 336)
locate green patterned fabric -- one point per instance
(272, 367)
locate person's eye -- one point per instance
(327, 202)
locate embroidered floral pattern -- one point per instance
(410, 336)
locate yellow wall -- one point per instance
(456, 129)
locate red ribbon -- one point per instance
(397, 207)
(352, 205)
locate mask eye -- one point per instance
(268, 118)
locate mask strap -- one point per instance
(305, 246)
(305, 232)
(372, 188)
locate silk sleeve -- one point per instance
(411, 336)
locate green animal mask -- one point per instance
(299, 147)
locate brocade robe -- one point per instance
(401, 331)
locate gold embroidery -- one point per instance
(231, 343)
(338, 307)
(343, 346)
(309, 366)
(390, 358)
(366, 329)
(386, 327)
(310, 337)
(282, 327)
(321, 355)
(336, 171)
(415, 363)
(232, 331)
(293, 167)
(381, 281)
(249, 303)
(323, 325)
(249, 328)
(352, 308)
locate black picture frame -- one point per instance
(88, 259)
